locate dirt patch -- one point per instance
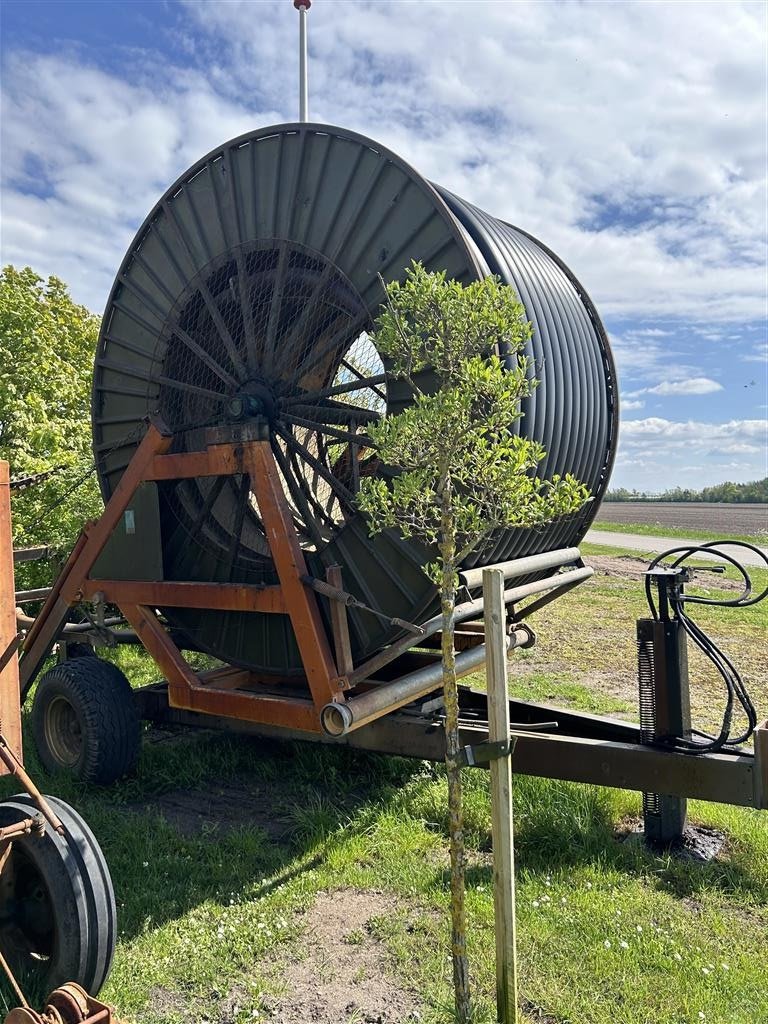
(629, 568)
(165, 1003)
(222, 807)
(698, 843)
(343, 975)
(538, 1014)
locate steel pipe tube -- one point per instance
(466, 611)
(339, 719)
(562, 579)
(472, 578)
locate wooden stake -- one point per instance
(501, 798)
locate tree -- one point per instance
(47, 344)
(461, 470)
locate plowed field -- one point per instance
(707, 517)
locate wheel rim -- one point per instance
(63, 732)
(28, 934)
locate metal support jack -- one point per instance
(665, 707)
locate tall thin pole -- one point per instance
(302, 6)
(501, 798)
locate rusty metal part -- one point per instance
(25, 827)
(585, 748)
(84, 554)
(15, 767)
(10, 709)
(340, 624)
(139, 601)
(350, 601)
(12, 980)
(69, 1004)
(10, 650)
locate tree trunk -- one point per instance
(453, 746)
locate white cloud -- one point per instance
(643, 108)
(628, 405)
(692, 386)
(628, 137)
(695, 430)
(759, 354)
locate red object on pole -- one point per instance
(298, 4)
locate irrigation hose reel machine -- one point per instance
(234, 381)
(239, 327)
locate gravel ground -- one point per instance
(648, 542)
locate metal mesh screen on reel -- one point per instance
(252, 286)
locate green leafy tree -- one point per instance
(47, 343)
(463, 472)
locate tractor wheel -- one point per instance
(84, 721)
(57, 904)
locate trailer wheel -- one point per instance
(84, 721)
(57, 904)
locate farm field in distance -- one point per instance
(703, 519)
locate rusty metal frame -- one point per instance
(10, 708)
(249, 699)
(70, 1003)
(584, 748)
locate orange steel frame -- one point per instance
(10, 705)
(228, 692)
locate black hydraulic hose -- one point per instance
(736, 691)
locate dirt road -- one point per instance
(641, 542)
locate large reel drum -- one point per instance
(254, 282)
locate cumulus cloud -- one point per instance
(758, 354)
(625, 136)
(695, 430)
(692, 386)
(578, 141)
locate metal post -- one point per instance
(665, 709)
(501, 798)
(10, 709)
(302, 6)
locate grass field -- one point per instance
(286, 883)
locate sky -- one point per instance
(630, 137)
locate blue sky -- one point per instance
(629, 137)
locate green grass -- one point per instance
(609, 933)
(202, 915)
(662, 530)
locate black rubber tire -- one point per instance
(48, 904)
(99, 891)
(79, 890)
(84, 720)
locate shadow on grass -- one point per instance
(561, 826)
(305, 794)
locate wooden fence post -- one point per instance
(501, 798)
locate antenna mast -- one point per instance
(302, 6)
